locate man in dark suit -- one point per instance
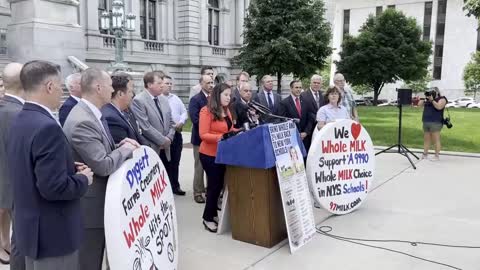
(87, 131)
(119, 122)
(243, 77)
(267, 97)
(312, 100)
(47, 184)
(293, 107)
(197, 102)
(72, 82)
(10, 106)
(242, 111)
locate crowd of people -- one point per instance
(54, 172)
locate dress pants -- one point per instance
(168, 164)
(198, 181)
(215, 173)
(176, 154)
(92, 249)
(69, 261)
(17, 261)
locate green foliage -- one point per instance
(283, 37)
(421, 84)
(471, 75)
(472, 7)
(388, 48)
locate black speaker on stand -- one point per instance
(404, 97)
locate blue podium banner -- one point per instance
(251, 149)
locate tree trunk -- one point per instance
(279, 83)
(377, 89)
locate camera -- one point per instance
(431, 93)
(447, 122)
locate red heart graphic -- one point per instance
(355, 130)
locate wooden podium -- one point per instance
(256, 212)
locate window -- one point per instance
(103, 5)
(379, 11)
(391, 6)
(346, 22)
(439, 37)
(213, 22)
(427, 21)
(148, 21)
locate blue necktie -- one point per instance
(270, 101)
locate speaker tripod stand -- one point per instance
(401, 149)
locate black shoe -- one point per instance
(179, 192)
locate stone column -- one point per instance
(240, 11)
(47, 30)
(163, 20)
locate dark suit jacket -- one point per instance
(197, 102)
(119, 125)
(262, 99)
(9, 108)
(48, 218)
(311, 106)
(288, 109)
(65, 109)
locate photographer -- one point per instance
(434, 105)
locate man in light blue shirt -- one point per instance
(179, 116)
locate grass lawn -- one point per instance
(382, 125)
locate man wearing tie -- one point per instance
(10, 106)
(196, 103)
(313, 100)
(47, 184)
(242, 111)
(88, 134)
(267, 97)
(119, 122)
(154, 116)
(72, 82)
(293, 107)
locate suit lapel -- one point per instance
(293, 107)
(12, 100)
(150, 101)
(105, 140)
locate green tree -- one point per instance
(284, 37)
(388, 48)
(420, 85)
(472, 7)
(471, 75)
(362, 89)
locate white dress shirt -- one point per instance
(97, 113)
(272, 98)
(179, 113)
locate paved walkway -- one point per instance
(439, 202)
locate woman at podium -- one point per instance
(215, 123)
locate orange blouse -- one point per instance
(211, 131)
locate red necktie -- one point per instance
(299, 108)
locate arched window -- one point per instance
(148, 19)
(213, 22)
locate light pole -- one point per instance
(119, 23)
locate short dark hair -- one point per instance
(89, 76)
(243, 73)
(333, 89)
(292, 82)
(204, 69)
(119, 82)
(149, 77)
(167, 77)
(36, 72)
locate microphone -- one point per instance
(259, 107)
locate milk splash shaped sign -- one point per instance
(140, 216)
(341, 166)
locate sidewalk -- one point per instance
(438, 203)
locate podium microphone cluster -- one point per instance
(263, 110)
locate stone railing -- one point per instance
(109, 41)
(153, 46)
(219, 51)
(77, 64)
